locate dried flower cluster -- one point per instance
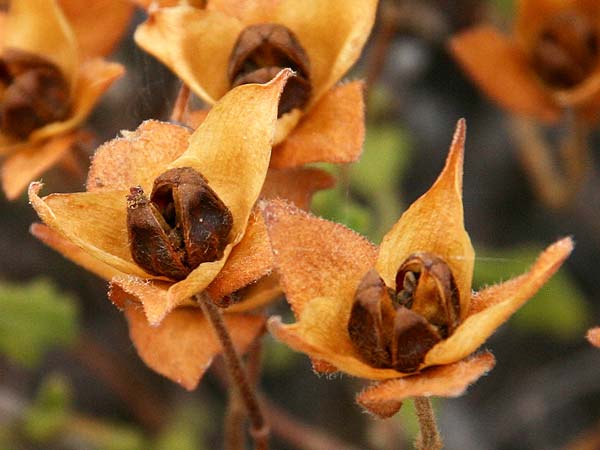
(216, 210)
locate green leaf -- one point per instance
(50, 411)
(559, 308)
(34, 318)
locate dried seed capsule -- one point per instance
(261, 51)
(567, 50)
(34, 93)
(371, 321)
(412, 338)
(183, 225)
(425, 284)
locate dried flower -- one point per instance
(50, 79)
(550, 63)
(231, 152)
(593, 336)
(231, 43)
(405, 312)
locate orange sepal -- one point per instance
(384, 399)
(98, 24)
(332, 131)
(315, 257)
(500, 68)
(183, 346)
(138, 157)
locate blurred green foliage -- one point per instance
(185, 430)
(34, 318)
(559, 309)
(375, 181)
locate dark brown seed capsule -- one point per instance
(412, 338)
(261, 51)
(372, 320)
(183, 225)
(426, 286)
(567, 50)
(34, 93)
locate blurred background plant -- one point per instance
(70, 379)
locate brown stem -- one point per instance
(181, 104)
(237, 375)
(555, 182)
(429, 436)
(236, 413)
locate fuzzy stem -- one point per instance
(429, 437)
(259, 427)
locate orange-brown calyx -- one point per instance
(261, 51)
(396, 329)
(33, 93)
(566, 50)
(182, 225)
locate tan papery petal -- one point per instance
(315, 257)
(93, 221)
(581, 94)
(31, 160)
(151, 294)
(532, 15)
(384, 399)
(182, 347)
(98, 24)
(138, 157)
(332, 32)
(247, 11)
(231, 149)
(2, 28)
(70, 251)
(333, 131)
(492, 306)
(593, 335)
(93, 79)
(322, 334)
(39, 27)
(434, 223)
(193, 43)
(482, 51)
(249, 260)
(296, 185)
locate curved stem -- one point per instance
(181, 104)
(237, 374)
(429, 437)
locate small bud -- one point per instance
(183, 225)
(33, 93)
(567, 50)
(261, 51)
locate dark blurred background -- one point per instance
(71, 379)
